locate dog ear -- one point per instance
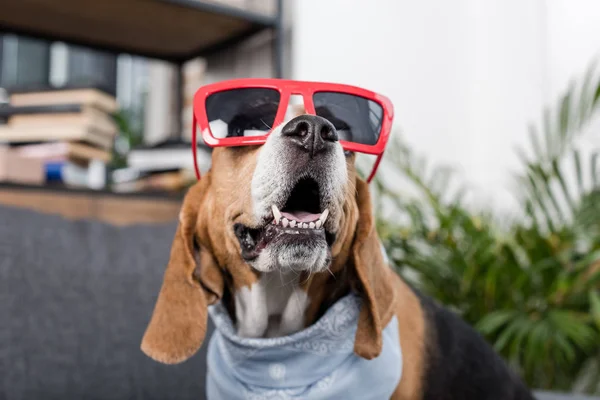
(178, 324)
(374, 279)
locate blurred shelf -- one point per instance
(62, 189)
(105, 206)
(172, 30)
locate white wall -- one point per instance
(465, 76)
(574, 38)
(574, 35)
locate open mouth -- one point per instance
(300, 221)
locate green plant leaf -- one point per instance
(586, 94)
(493, 321)
(578, 171)
(539, 200)
(511, 332)
(549, 135)
(536, 341)
(561, 180)
(574, 326)
(565, 346)
(595, 306)
(565, 115)
(594, 170)
(535, 143)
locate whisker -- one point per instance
(267, 125)
(307, 278)
(331, 273)
(296, 275)
(281, 278)
(291, 280)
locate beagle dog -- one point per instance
(278, 241)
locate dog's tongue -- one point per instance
(300, 216)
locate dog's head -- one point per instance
(293, 210)
(295, 203)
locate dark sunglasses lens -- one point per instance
(355, 118)
(242, 112)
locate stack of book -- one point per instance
(167, 166)
(57, 135)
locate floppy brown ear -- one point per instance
(178, 324)
(374, 278)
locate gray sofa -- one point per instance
(75, 297)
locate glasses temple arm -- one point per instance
(375, 166)
(195, 147)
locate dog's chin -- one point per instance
(295, 252)
(275, 247)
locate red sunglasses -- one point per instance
(243, 112)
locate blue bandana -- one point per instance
(315, 363)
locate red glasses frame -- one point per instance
(286, 89)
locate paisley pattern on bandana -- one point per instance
(315, 363)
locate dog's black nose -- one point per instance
(311, 133)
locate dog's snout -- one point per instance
(310, 133)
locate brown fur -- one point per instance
(178, 325)
(412, 328)
(221, 199)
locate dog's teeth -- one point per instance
(284, 222)
(318, 224)
(304, 225)
(311, 225)
(276, 213)
(293, 223)
(324, 216)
